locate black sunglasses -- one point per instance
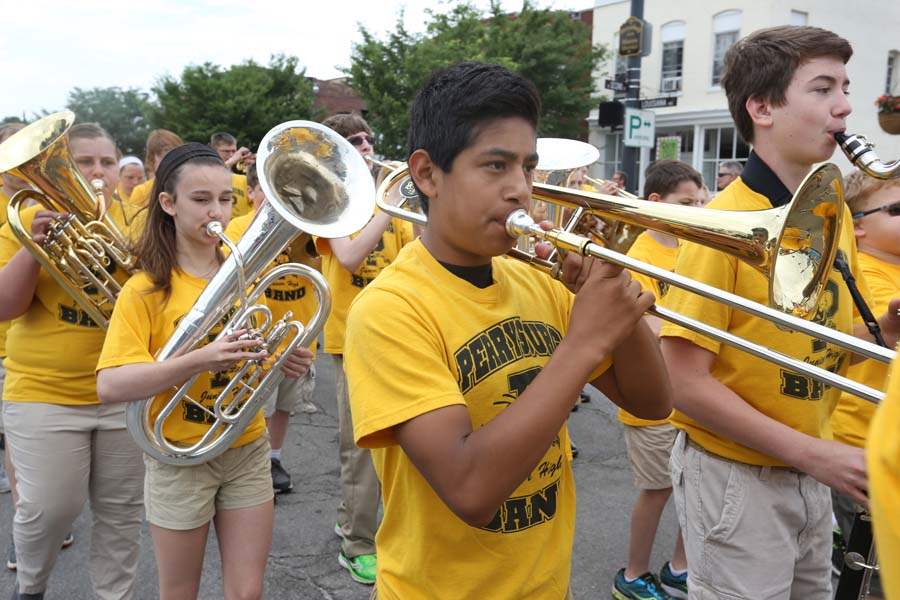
(357, 140)
(892, 209)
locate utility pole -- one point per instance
(631, 155)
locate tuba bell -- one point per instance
(84, 251)
(315, 183)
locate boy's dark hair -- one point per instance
(346, 124)
(221, 137)
(252, 177)
(449, 110)
(763, 65)
(663, 176)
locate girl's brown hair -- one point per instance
(156, 248)
(159, 142)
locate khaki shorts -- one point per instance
(292, 392)
(187, 497)
(649, 450)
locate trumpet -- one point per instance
(861, 152)
(316, 183)
(794, 246)
(84, 251)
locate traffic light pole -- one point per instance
(631, 155)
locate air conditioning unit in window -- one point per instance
(671, 84)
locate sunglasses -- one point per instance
(892, 209)
(357, 140)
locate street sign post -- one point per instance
(661, 102)
(640, 128)
(616, 86)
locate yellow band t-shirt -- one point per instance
(647, 249)
(883, 462)
(141, 324)
(4, 325)
(346, 285)
(791, 398)
(291, 293)
(850, 421)
(419, 339)
(52, 349)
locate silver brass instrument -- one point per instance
(315, 182)
(861, 152)
(794, 246)
(84, 252)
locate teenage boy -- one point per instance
(463, 364)
(225, 146)
(290, 293)
(875, 205)
(753, 460)
(349, 265)
(649, 443)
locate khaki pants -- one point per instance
(64, 455)
(358, 511)
(751, 533)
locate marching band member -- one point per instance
(159, 143)
(463, 365)
(234, 491)
(290, 293)
(875, 206)
(349, 265)
(131, 174)
(66, 447)
(226, 146)
(753, 461)
(649, 443)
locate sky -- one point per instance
(49, 47)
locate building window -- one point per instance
(719, 145)
(620, 63)
(726, 29)
(890, 83)
(798, 17)
(672, 37)
(610, 157)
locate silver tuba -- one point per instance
(315, 182)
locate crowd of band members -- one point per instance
(452, 403)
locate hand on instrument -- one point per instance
(297, 363)
(237, 157)
(890, 323)
(608, 304)
(608, 187)
(41, 223)
(227, 351)
(840, 467)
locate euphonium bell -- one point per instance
(315, 183)
(84, 252)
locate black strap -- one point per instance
(840, 263)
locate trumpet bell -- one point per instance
(309, 178)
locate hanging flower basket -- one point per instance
(890, 122)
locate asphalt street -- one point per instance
(303, 563)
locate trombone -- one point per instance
(793, 246)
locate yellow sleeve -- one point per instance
(128, 337)
(9, 243)
(713, 268)
(406, 231)
(392, 376)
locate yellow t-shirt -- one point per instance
(4, 325)
(291, 293)
(141, 324)
(850, 421)
(647, 249)
(793, 399)
(345, 285)
(419, 339)
(883, 462)
(52, 349)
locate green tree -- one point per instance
(546, 46)
(123, 113)
(246, 100)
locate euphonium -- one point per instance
(316, 183)
(861, 152)
(84, 251)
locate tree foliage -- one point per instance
(246, 100)
(123, 113)
(546, 46)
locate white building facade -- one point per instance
(689, 41)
